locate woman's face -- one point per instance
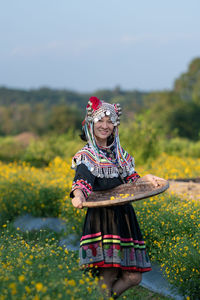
(103, 129)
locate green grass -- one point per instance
(140, 293)
(33, 266)
(171, 228)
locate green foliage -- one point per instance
(22, 117)
(10, 149)
(46, 110)
(131, 101)
(39, 269)
(41, 152)
(172, 116)
(185, 254)
(172, 231)
(64, 118)
(172, 113)
(170, 224)
(39, 118)
(180, 147)
(48, 97)
(141, 140)
(185, 120)
(176, 112)
(32, 266)
(150, 117)
(188, 84)
(159, 112)
(21, 197)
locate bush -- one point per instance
(170, 224)
(33, 266)
(141, 140)
(172, 167)
(39, 269)
(171, 229)
(10, 150)
(181, 147)
(41, 152)
(26, 189)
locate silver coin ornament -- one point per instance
(96, 120)
(106, 109)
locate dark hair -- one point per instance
(83, 137)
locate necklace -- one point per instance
(106, 147)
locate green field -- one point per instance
(33, 265)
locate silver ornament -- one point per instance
(89, 119)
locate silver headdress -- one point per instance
(97, 109)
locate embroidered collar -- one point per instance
(105, 167)
(106, 148)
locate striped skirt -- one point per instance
(112, 238)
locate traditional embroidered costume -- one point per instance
(111, 235)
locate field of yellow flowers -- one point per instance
(36, 268)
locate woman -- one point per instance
(111, 240)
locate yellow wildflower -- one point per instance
(38, 286)
(21, 278)
(72, 282)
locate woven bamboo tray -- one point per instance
(126, 193)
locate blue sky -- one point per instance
(85, 45)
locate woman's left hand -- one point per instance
(151, 178)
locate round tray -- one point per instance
(124, 193)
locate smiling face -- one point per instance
(102, 130)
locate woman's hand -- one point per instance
(151, 178)
(79, 198)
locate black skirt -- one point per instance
(112, 238)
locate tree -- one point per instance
(188, 84)
(63, 118)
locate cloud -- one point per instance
(128, 39)
(63, 48)
(76, 48)
(70, 47)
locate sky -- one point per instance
(87, 45)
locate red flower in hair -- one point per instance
(96, 103)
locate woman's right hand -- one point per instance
(79, 198)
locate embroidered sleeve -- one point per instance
(83, 180)
(132, 174)
(132, 178)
